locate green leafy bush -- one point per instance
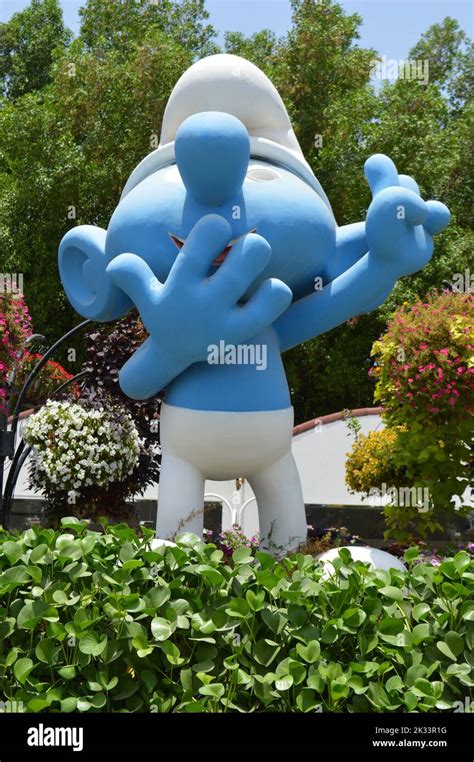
(102, 622)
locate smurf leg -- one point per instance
(181, 498)
(281, 511)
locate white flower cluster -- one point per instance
(74, 447)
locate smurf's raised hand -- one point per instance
(400, 226)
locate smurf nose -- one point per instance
(212, 153)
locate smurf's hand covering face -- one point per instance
(227, 244)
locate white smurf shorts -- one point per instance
(202, 444)
(225, 445)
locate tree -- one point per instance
(66, 153)
(29, 42)
(321, 64)
(331, 373)
(429, 136)
(117, 24)
(449, 54)
(262, 48)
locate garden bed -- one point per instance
(100, 621)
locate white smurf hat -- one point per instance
(231, 84)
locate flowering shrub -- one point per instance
(436, 556)
(432, 555)
(425, 382)
(424, 361)
(370, 462)
(82, 457)
(50, 377)
(15, 327)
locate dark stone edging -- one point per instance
(365, 521)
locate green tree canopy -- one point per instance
(448, 51)
(28, 42)
(67, 152)
(262, 48)
(116, 25)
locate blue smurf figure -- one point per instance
(226, 243)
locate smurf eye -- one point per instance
(261, 174)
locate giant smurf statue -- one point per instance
(226, 243)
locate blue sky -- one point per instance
(390, 26)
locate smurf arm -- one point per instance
(351, 245)
(348, 295)
(398, 231)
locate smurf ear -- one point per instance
(82, 267)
